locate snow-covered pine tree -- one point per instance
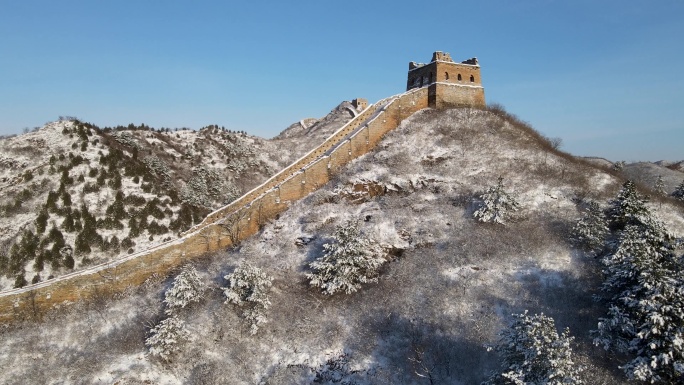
(644, 287)
(165, 338)
(590, 231)
(347, 262)
(678, 193)
(497, 205)
(619, 165)
(659, 186)
(187, 288)
(534, 353)
(627, 207)
(248, 286)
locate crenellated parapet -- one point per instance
(449, 84)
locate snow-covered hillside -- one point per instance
(647, 174)
(448, 286)
(75, 194)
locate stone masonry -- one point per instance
(449, 84)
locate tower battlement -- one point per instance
(450, 84)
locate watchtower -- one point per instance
(360, 104)
(450, 84)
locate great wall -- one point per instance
(438, 84)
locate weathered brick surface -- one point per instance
(243, 217)
(450, 84)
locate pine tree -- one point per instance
(127, 244)
(348, 262)
(56, 237)
(678, 193)
(66, 198)
(133, 229)
(142, 224)
(41, 221)
(627, 208)
(69, 261)
(81, 244)
(117, 211)
(497, 205)
(39, 262)
(65, 179)
(68, 222)
(16, 259)
(644, 287)
(114, 244)
(115, 182)
(4, 262)
(590, 231)
(51, 202)
(534, 353)
(659, 186)
(20, 281)
(165, 338)
(187, 288)
(619, 166)
(29, 244)
(248, 286)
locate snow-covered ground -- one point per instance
(449, 285)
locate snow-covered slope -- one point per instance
(676, 165)
(449, 285)
(76, 194)
(320, 129)
(647, 174)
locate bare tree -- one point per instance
(556, 143)
(421, 366)
(233, 225)
(206, 235)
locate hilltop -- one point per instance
(75, 194)
(447, 288)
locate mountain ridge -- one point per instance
(175, 177)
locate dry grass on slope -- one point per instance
(450, 285)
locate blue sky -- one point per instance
(605, 76)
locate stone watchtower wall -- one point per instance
(243, 217)
(449, 84)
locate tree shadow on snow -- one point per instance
(415, 351)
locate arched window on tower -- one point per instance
(472, 78)
(459, 77)
(446, 76)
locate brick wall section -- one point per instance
(444, 73)
(441, 95)
(240, 219)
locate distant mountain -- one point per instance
(75, 194)
(677, 165)
(319, 130)
(647, 173)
